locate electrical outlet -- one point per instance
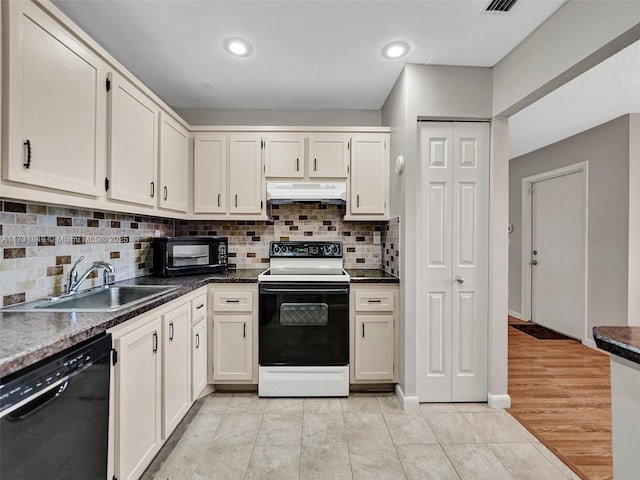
(376, 238)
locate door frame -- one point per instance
(525, 268)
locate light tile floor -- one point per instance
(365, 436)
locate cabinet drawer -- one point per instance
(232, 301)
(374, 301)
(198, 308)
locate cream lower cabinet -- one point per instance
(176, 367)
(234, 347)
(151, 383)
(138, 387)
(373, 333)
(198, 345)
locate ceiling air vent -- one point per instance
(500, 5)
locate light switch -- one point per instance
(376, 238)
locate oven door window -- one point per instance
(304, 328)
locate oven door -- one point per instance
(304, 324)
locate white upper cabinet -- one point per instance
(56, 105)
(369, 185)
(246, 184)
(328, 155)
(284, 155)
(210, 159)
(174, 165)
(133, 144)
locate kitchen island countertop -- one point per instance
(621, 341)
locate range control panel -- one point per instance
(306, 249)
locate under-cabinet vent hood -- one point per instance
(324, 192)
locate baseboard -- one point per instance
(407, 402)
(518, 315)
(499, 401)
(591, 344)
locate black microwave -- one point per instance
(175, 256)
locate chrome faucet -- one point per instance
(75, 282)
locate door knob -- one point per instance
(460, 280)
(533, 262)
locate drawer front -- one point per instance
(374, 301)
(199, 308)
(232, 301)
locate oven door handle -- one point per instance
(338, 290)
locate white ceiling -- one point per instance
(326, 54)
(307, 54)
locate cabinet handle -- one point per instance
(218, 199)
(363, 330)
(374, 301)
(171, 332)
(244, 330)
(27, 164)
(153, 189)
(197, 340)
(315, 164)
(200, 306)
(155, 342)
(166, 192)
(232, 301)
(357, 200)
(236, 200)
(297, 164)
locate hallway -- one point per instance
(560, 391)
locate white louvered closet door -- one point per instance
(452, 326)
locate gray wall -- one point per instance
(423, 91)
(606, 148)
(314, 118)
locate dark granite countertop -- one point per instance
(27, 337)
(621, 341)
(362, 275)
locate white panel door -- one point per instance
(470, 261)
(454, 239)
(210, 173)
(436, 143)
(558, 248)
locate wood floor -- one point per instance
(561, 392)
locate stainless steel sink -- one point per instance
(99, 299)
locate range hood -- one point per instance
(297, 192)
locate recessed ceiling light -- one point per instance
(238, 47)
(395, 49)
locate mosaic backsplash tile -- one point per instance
(39, 243)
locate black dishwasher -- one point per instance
(54, 416)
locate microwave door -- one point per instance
(189, 256)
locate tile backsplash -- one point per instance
(39, 243)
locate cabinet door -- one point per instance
(374, 341)
(245, 174)
(176, 395)
(133, 140)
(284, 155)
(198, 358)
(232, 347)
(137, 407)
(210, 173)
(174, 164)
(56, 105)
(369, 175)
(328, 155)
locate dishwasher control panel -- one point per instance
(51, 373)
